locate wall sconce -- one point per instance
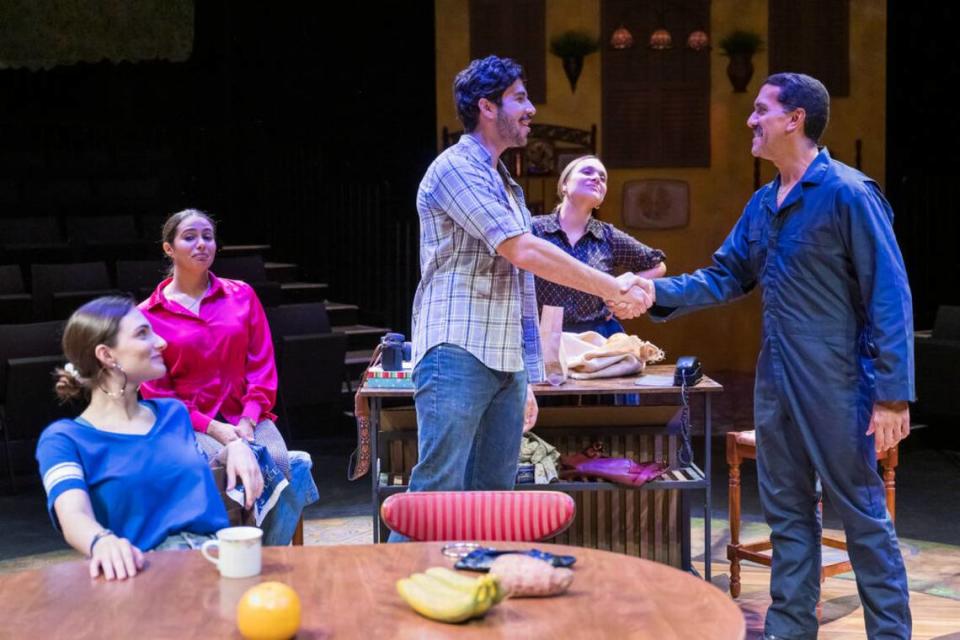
(660, 39)
(621, 38)
(698, 40)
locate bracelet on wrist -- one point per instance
(97, 538)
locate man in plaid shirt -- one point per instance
(475, 336)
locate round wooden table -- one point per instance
(348, 592)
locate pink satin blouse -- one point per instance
(219, 362)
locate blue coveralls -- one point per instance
(837, 336)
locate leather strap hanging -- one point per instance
(360, 458)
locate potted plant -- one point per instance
(571, 47)
(740, 46)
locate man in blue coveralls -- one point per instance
(835, 370)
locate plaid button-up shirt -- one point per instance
(469, 295)
(603, 247)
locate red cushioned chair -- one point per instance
(513, 516)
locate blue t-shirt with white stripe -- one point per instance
(142, 487)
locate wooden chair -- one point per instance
(742, 445)
(515, 516)
(239, 516)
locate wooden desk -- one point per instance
(348, 592)
(680, 478)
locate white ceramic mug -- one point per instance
(238, 553)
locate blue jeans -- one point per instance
(183, 541)
(280, 523)
(469, 421)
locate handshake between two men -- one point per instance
(636, 296)
(627, 296)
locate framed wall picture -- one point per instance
(655, 204)
(541, 157)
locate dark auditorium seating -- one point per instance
(299, 319)
(250, 269)
(16, 306)
(108, 238)
(101, 230)
(310, 360)
(938, 366)
(140, 277)
(30, 403)
(28, 355)
(30, 234)
(151, 228)
(58, 289)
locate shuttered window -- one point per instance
(656, 104)
(813, 38)
(513, 29)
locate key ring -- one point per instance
(458, 549)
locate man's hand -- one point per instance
(632, 304)
(530, 411)
(889, 424)
(628, 280)
(636, 296)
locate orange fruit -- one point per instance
(269, 611)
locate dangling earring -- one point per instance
(123, 389)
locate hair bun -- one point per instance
(69, 385)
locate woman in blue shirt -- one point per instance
(125, 476)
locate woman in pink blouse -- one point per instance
(220, 353)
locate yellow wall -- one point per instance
(728, 337)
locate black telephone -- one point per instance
(688, 371)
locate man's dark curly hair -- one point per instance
(485, 78)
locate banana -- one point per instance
(460, 581)
(453, 578)
(484, 596)
(481, 589)
(435, 600)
